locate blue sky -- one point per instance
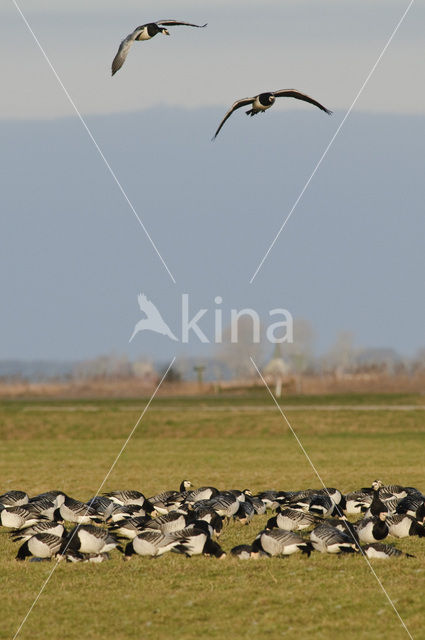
(73, 257)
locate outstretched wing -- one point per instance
(293, 93)
(175, 23)
(237, 105)
(123, 49)
(148, 307)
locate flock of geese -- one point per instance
(190, 521)
(259, 103)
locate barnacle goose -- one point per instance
(19, 517)
(412, 505)
(356, 502)
(372, 529)
(76, 556)
(383, 551)
(161, 498)
(278, 542)
(14, 498)
(291, 520)
(241, 551)
(150, 543)
(145, 32)
(245, 512)
(42, 545)
(195, 540)
(128, 497)
(225, 504)
(91, 539)
(131, 527)
(377, 506)
(401, 526)
(328, 539)
(121, 512)
(75, 511)
(58, 497)
(169, 522)
(55, 528)
(263, 101)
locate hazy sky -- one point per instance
(72, 255)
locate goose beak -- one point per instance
(166, 32)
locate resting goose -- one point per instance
(278, 542)
(14, 498)
(150, 543)
(145, 32)
(402, 526)
(196, 540)
(131, 527)
(328, 539)
(383, 551)
(377, 506)
(263, 101)
(372, 529)
(291, 520)
(55, 528)
(412, 505)
(19, 517)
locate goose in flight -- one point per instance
(264, 101)
(153, 320)
(145, 32)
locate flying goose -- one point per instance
(145, 32)
(264, 101)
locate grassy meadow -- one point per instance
(231, 443)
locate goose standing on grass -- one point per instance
(264, 101)
(146, 32)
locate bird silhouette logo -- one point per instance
(153, 321)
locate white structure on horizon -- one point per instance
(277, 370)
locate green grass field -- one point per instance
(230, 443)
